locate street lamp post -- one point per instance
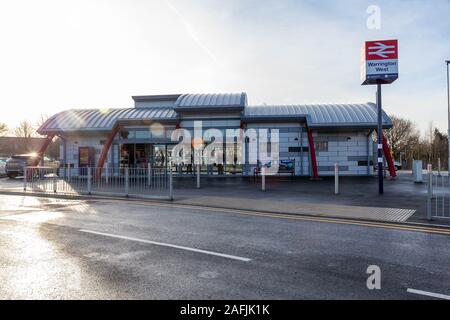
(448, 109)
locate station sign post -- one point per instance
(379, 65)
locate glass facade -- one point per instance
(140, 146)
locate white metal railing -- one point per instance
(95, 180)
(438, 195)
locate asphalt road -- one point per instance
(98, 249)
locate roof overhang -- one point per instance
(156, 98)
(215, 109)
(307, 119)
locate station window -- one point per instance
(298, 149)
(322, 145)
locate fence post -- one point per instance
(149, 174)
(198, 176)
(55, 180)
(439, 167)
(25, 179)
(263, 178)
(170, 184)
(89, 182)
(127, 181)
(430, 191)
(336, 178)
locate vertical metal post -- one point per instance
(448, 110)
(89, 182)
(380, 140)
(301, 150)
(369, 154)
(170, 184)
(198, 176)
(439, 167)
(127, 181)
(25, 179)
(430, 191)
(106, 173)
(149, 174)
(263, 178)
(336, 178)
(55, 180)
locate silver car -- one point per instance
(15, 165)
(2, 167)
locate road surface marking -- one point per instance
(306, 218)
(167, 245)
(328, 220)
(364, 223)
(429, 294)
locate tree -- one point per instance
(25, 130)
(41, 120)
(437, 147)
(3, 128)
(403, 138)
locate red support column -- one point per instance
(388, 156)
(312, 151)
(106, 146)
(42, 149)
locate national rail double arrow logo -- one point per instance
(382, 50)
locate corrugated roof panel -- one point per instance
(336, 115)
(96, 119)
(211, 100)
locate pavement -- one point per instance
(115, 249)
(403, 200)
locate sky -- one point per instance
(59, 54)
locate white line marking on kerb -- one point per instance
(429, 294)
(168, 245)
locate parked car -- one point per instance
(15, 165)
(2, 168)
(397, 166)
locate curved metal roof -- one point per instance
(224, 100)
(323, 115)
(102, 119)
(319, 116)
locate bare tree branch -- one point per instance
(25, 130)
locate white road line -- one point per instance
(168, 245)
(429, 294)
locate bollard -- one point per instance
(263, 179)
(430, 191)
(106, 173)
(198, 176)
(127, 181)
(336, 178)
(89, 182)
(55, 180)
(25, 179)
(170, 184)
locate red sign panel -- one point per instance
(381, 50)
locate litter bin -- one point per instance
(417, 171)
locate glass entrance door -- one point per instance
(127, 155)
(159, 155)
